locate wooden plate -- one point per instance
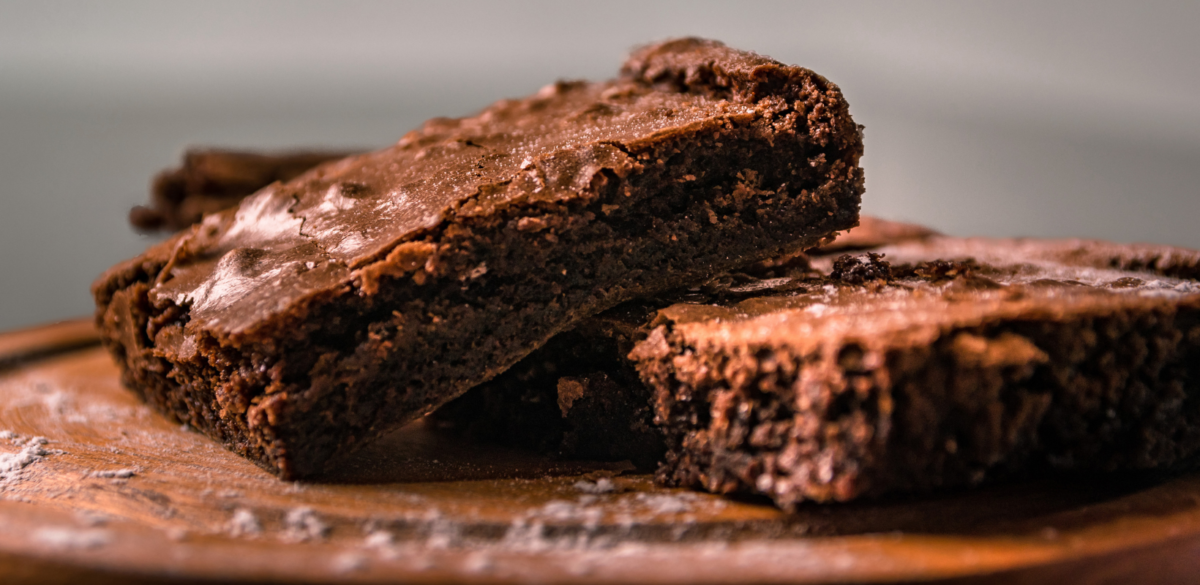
(116, 493)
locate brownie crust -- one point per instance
(326, 310)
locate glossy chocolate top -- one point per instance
(921, 288)
(293, 242)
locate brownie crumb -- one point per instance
(941, 270)
(861, 268)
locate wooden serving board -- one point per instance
(116, 493)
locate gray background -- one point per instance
(992, 118)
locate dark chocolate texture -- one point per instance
(363, 294)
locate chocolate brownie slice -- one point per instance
(365, 293)
(211, 180)
(961, 360)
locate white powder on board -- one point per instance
(379, 539)
(114, 473)
(91, 518)
(303, 525)
(601, 515)
(603, 485)
(72, 538)
(349, 562)
(243, 523)
(12, 465)
(667, 503)
(478, 562)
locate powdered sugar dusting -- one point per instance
(603, 485)
(349, 562)
(379, 539)
(303, 525)
(478, 562)
(13, 464)
(666, 503)
(114, 473)
(72, 538)
(243, 524)
(36, 391)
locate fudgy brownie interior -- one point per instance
(365, 293)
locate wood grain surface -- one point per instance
(95, 487)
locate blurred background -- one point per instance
(982, 118)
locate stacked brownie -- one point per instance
(656, 280)
(365, 293)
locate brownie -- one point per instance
(934, 363)
(211, 180)
(363, 294)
